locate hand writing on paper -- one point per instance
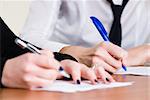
(30, 70)
(78, 70)
(106, 54)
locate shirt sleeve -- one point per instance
(7, 46)
(40, 24)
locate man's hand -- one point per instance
(30, 70)
(138, 56)
(105, 55)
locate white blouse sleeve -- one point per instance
(40, 24)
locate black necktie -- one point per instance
(115, 34)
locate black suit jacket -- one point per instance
(8, 48)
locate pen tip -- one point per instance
(60, 68)
(124, 67)
(92, 17)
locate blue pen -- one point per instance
(102, 32)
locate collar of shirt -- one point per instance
(117, 2)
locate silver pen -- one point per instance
(33, 49)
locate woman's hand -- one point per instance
(30, 70)
(138, 56)
(105, 55)
(77, 70)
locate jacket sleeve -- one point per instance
(8, 48)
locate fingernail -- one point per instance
(70, 76)
(124, 67)
(39, 86)
(78, 82)
(96, 80)
(111, 73)
(107, 79)
(60, 68)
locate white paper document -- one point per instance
(136, 71)
(66, 86)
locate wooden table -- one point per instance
(140, 90)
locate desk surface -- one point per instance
(140, 90)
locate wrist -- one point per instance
(74, 51)
(59, 56)
(81, 54)
(147, 55)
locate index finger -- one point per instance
(114, 50)
(45, 61)
(48, 53)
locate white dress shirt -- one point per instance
(53, 24)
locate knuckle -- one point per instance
(51, 54)
(52, 75)
(26, 78)
(4, 80)
(77, 66)
(106, 45)
(76, 70)
(96, 51)
(97, 59)
(66, 62)
(89, 70)
(103, 44)
(28, 57)
(47, 53)
(100, 68)
(8, 61)
(26, 68)
(123, 54)
(94, 59)
(83, 66)
(118, 64)
(100, 51)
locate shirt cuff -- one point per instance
(54, 46)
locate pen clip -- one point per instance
(33, 49)
(24, 45)
(20, 43)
